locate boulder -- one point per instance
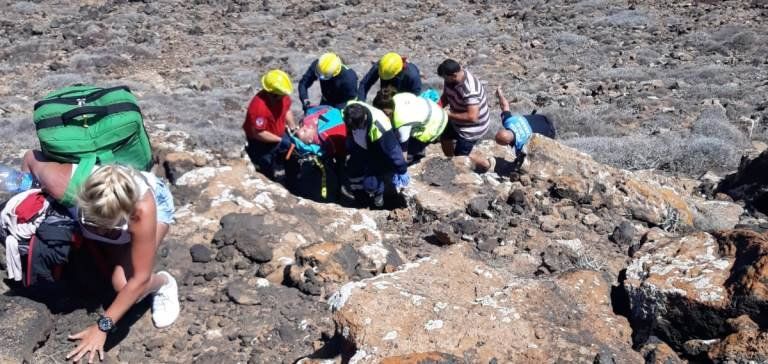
(236, 208)
(624, 234)
(454, 304)
(201, 253)
(749, 183)
(659, 353)
(748, 344)
(683, 288)
(175, 164)
(321, 267)
(443, 186)
(247, 292)
(717, 215)
(25, 325)
(444, 234)
(576, 176)
(248, 234)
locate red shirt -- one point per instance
(266, 113)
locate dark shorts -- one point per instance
(463, 146)
(266, 156)
(416, 150)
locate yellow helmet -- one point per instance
(390, 65)
(277, 82)
(328, 66)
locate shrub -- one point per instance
(703, 91)
(625, 19)
(23, 131)
(591, 5)
(567, 39)
(598, 121)
(622, 73)
(713, 123)
(672, 152)
(714, 74)
(26, 7)
(646, 56)
(53, 81)
(735, 37)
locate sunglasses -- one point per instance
(122, 225)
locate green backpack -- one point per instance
(89, 125)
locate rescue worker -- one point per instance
(266, 120)
(518, 129)
(393, 70)
(418, 120)
(374, 154)
(338, 83)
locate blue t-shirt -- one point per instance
(524, 126)
(518, 125)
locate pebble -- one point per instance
(548, 226)
(590, 219)
(194, 330)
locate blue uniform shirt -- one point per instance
(408, 80)
(520, 127)
(336, 91)
(524, 126)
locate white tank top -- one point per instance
(145, 181)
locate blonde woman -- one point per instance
(127, 213)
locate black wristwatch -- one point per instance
(105, 324)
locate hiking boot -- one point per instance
(165, 302)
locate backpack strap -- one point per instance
(82, 172)
(97, 112)
(324, 183)
(106, 157)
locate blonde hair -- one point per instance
(108, 195)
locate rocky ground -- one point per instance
(571, 258)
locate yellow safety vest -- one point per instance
(426, 118)
(380, 123)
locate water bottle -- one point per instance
(15, 181)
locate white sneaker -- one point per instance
(165, 302)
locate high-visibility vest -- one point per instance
(426, 118)
(379, 124)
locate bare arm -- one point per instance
(53, 176)
(143, 249)
(290, 121)
(471, 116)
(267, 137)
(262, 135)
(502, 100)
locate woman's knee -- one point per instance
(119, 278)
(123, 269)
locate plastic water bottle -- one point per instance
(15, 181)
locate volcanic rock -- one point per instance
(458, 305)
